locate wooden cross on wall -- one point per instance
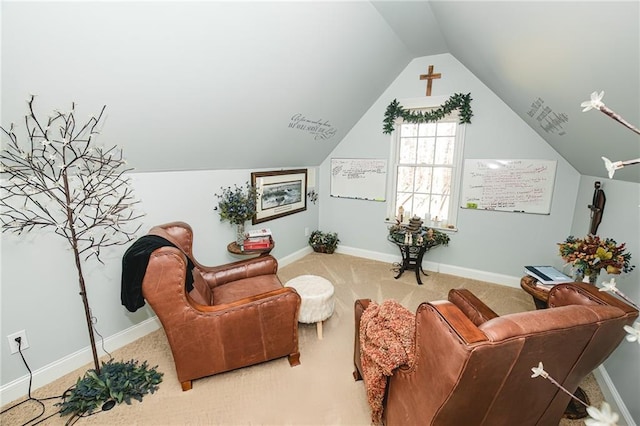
(430, 77)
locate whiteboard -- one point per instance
(362, 178)
(521, 186)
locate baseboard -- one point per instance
(612, 396)
(443, 268)
(47, 374)
(294, 256)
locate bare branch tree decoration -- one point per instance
(61, 180)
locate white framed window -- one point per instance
(426, 160)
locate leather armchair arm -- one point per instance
(471, 306)
(218, 275)
(247, 301)
(586, 294)
(458, 321)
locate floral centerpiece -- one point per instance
(423, 236)
(237, 205)
(590, 255)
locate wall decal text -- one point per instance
(320, 129)
(550, 121)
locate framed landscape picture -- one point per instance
(280, 193)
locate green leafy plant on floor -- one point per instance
(324, 242)
(115, 382)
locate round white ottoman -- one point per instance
(317, 299)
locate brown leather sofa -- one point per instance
(236, 315)
(473, 367)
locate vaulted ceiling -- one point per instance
(543, 59)
(200, 85)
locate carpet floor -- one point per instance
(320, 391)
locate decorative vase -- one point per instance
(593, 277)
(240, 234)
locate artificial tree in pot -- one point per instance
(61, 180)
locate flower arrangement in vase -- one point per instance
(237, 205)
(590, 255)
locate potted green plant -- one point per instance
(115, 382)
(324, 242)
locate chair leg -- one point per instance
(186, 385)
(356, 374)
(294, 359)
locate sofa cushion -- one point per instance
(201, 292)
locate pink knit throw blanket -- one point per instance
(387, 341)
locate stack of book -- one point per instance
(258, 239)
(547, 275)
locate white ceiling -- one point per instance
(199, 85)
(558, 52)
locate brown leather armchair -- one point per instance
(236, 315)
(473, 367)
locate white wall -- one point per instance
(486, 240)
(620, 221)
(40, 285)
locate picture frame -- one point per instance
(280, 193)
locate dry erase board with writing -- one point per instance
(362, 178)
(522, 186)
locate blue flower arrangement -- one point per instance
(237, 204)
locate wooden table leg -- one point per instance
(575, 410)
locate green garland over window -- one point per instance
(457, 101)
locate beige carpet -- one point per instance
(320, 391)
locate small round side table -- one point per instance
(234, 248)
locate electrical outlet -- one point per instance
(306, 232)
(24, 343)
